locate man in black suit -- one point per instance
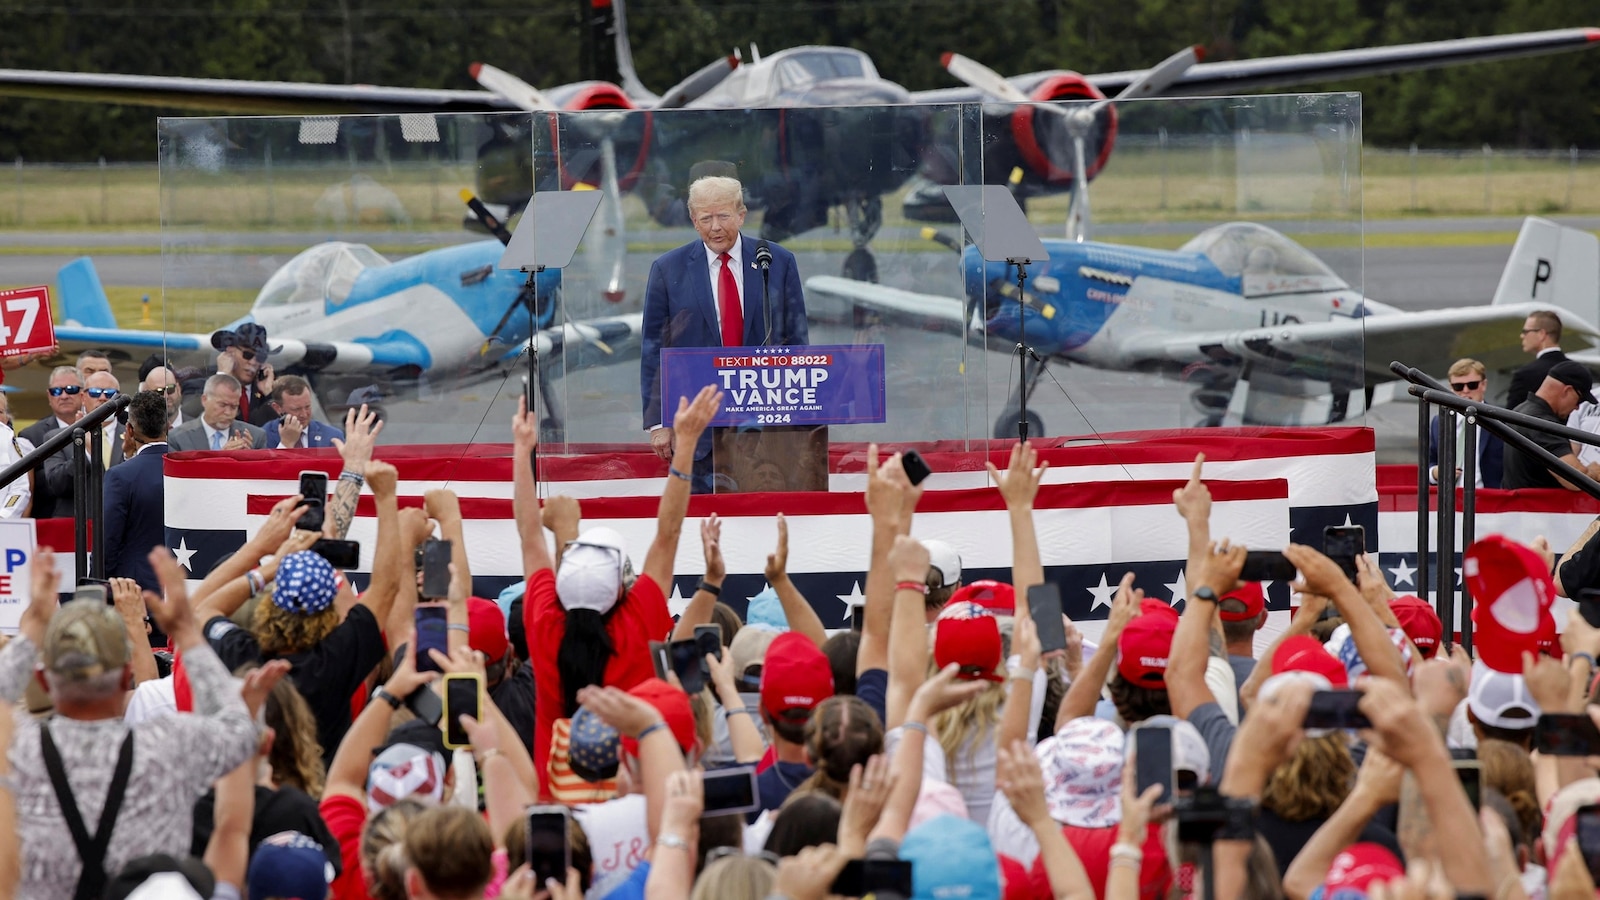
(1541, 336)
(1470, 380)
(52, 497)
(135, 511)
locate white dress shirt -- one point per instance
(714, 269)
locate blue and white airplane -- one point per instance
(343, 308)
(1267, 332)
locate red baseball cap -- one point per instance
(1144, 644)
(486, 629)
(995, 596)
(1303, 653)
(1358, 866)
(969, 636)
(795, 676)
(1513, 592)
(1251, 595)
(1420, 623)
(673, 704)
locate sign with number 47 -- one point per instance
(25, 325)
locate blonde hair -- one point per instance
(280, 632)
(1466, 366)
(715, 189)
(964, 726)
(1508, 769)
(1313, 782)
(450, 847)
(296, 754)
(383, 852)
(735, 878)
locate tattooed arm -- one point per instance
(360, 432)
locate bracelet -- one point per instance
(1127, 862)
(256, 582)
(457, 626)
(1128, 852)
(714, 590)
(355, 477)
(739, 710)
(1021, 674)
(920, 587)
(486, 755)
(671, 840)
(382, 693)
(1584, 656)
(673, 471)
(915, 726)
(658, 726)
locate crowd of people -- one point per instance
(289, 737)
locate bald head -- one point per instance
(164, 381)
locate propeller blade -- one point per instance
(489, 220)
(1078, 215)
(608, 246)
(1158, 77)
(514, 90)
(631, 85)
(980, 76)
(696, 85)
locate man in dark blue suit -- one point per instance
(713, 292)
(1470, 381)
(135, 512)
(294, 428)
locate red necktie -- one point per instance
(728, 301)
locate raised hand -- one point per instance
(626, 713)
(941, 692)
(524, 428)
(1018, 775)
(44, 602)
(361, 429)
(1220, 568)
(382, 477)
(441, 504)
(562, 515)
(279, 524)
(778, 560)
(1019, 484)
(693, 417)
(172, 612)
(1123, 608)
(1193, 500)
(908, 559)
(870, 787)
(260, 682)
(711, 547)
(415, 527)
(1318, 573)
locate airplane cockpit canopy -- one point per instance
(792, 70)
(323, 274)
(1264, 260)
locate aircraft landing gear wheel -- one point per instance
(1006, 426)
(861, 265)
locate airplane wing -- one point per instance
(591, 342)
(332, 356)
(934, 311)
(1430, 340)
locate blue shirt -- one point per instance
(633, 888)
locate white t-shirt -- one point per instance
(619, 838)
(151, 700)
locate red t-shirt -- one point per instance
(1093, 846)
(345, 817)
(640, 618)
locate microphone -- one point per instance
(764, 263)
(763, 256)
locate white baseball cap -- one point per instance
(944, 557)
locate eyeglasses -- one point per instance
(1531, 330)
(169, 390)
(102, 393)
(1465, 385)
(716, 853)
(70, 390)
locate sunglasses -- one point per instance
(102, 393)
(1465, 385)
(717, 853)
(70, 390)
(169, 390)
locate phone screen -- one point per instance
(461, 693)
(864, 877)
(916, 467)
(1468, 771)
(1267, 565)
(1589, 837)
(1343, 544)
(1336, 709)
(314, 488)
(433, 633)
(731, 790)
(708, 639)
(549, 855)
(339, 554)
(1044, 605)
(688, 665)
(436, 569)
(1153, 758)
(1566, 734)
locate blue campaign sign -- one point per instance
(816, 385)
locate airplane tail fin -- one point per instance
(83, 299)
(1554, 266)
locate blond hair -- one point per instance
(280, 632)
(735, 878)
(964, 727)
(1466, 366)
(713, 189)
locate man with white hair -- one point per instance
(715, 291)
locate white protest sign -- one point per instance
(17, 541)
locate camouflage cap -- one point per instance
(85, 638)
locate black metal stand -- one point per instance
(1469, 510)
(1023, 350)
(1423, 420)
(1445, 576)
(532, 386)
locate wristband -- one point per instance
(381, 693)
(256, 582)
(739, 710)
(486, 755)
(1583, 656)
(1127, 851)
(658, 726)
(673, 471)
(1018, 673)
(714, 590)
(920, 587)
(671, 840)
(457, 626)
(354, 477)
(915, 726)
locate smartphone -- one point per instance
(1468, 771)
(1589, 837)
(548, 852)
(660, 658)
(436, 569)
(1044, 605)
(858, 617)
(916, 467)
(1589, 605)
(425, 704)
(687, 664)
(433, 633)
(731, 790)
(527, 399)
(865, 877)
(314, 488)
(1152, 749)
(463, 696)
(1566, 734)
(1342, 544)
(94, 589)
(708, 639)
(1267, 565)
(1336, 709)
(339, 554)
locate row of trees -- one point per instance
(1550, 102)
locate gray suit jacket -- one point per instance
(191, 435)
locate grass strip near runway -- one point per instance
(189, 306)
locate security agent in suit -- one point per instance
(1469, 380)
(1541, 336)
(294, 428)
(218, 427)
(682, 309)
(54, 500)
(135, 512)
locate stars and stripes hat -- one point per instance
(289, 865)
(405, 770)
(1082, 767)
(305, 584)
(592, 747)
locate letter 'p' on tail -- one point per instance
(1556, 267)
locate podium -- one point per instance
(772, 431)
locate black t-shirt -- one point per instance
(1287, 838)
(1523, 470)
(514, 698)
(327, 675)
(284, 809)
